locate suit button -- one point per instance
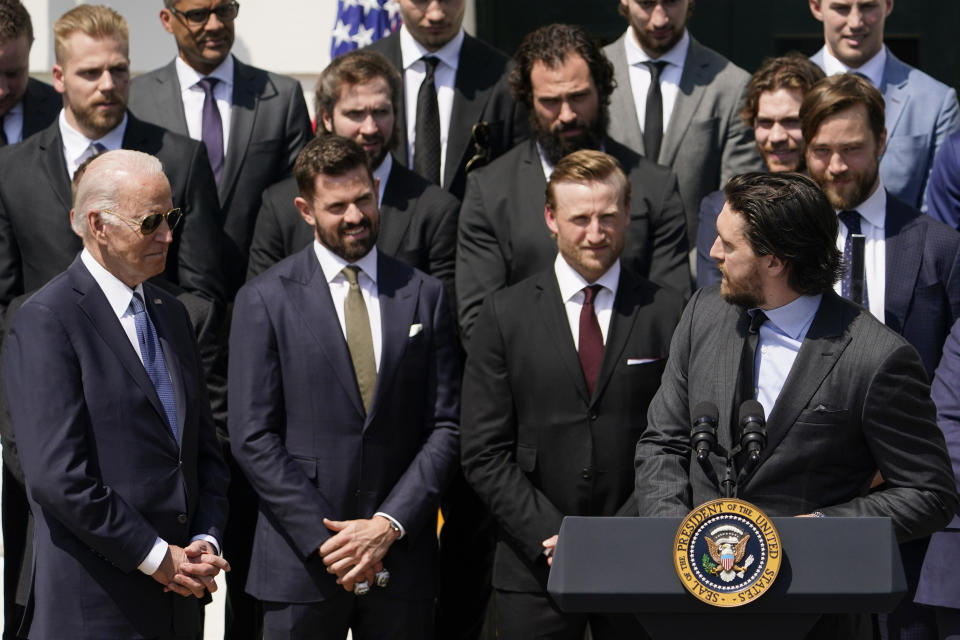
(593, 415)
(586, 474)
(182, 518)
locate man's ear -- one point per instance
(551, 219)
(306, 212)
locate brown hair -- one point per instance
(331, 155)
(96, 21)
(14, 21)
(356, 67)
(838, 93)
(584, 166)
(791, 71)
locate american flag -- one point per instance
(360, 22)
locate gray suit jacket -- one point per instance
(856, 400)
(706, 142)
(268, 127)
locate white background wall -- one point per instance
(286, 36)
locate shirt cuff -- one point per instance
(210, 539)
(389, 517)
(152, 562)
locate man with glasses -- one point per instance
(121, 460)
(253, 122)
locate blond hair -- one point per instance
(96, 21)
(586, 166)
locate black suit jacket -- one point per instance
(299, 431)
(41, 106)
(856, 400)
(36, 241)
(418, 225)
(536, 446)
(268, 127)
(503, 238)
(481, 94)
(104, 474)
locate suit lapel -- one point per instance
(394, 212)
(170, 355)
(468, 104)
(557, 328)
(626, 305)
(51, 144)
(243, 116)
(729, 360)
(904, 249)
(398, 293)
(309, 292)
(170, 101)
(693, 84)
(895, 91)
(622, 100)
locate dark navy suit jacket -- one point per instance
(943, 190)
(104, 475)
(299, 431)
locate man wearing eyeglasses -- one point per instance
(253, 122)
(122, 465)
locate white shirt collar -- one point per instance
(872, 68)
(547, 166)
(572, 283)
(874, 208)
(75, 144)
(189, 77)
(411, 51)
(118, 294)
(382, 173)
(794, 318)
(332, 264)
(677, 55)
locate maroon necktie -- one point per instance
(591, 340)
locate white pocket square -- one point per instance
(633, 361)
(415, 329)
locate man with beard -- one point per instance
(252, 122)
(688, 119)
(772, 110)
(565, 82)
(844, 395)
(560, 372)
(911, 261)
(344, 412)
(355, 98)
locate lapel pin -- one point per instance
(157, 301)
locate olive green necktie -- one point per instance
(359, 338)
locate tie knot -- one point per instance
(431, 63)
(590, 293)
(207, 84)
(136, 303)
(656, 68)
(350, 272)
(851, 220)
(757, 320)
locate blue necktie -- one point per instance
(153, 361)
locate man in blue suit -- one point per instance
(920, 111)
(105, 390)
(344, 405)
(943, 194)
(912, 262)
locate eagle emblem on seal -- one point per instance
(727, 545)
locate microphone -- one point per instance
(703, 434)
(753, 432)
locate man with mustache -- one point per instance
(565, 81)
(920, 111)
(344, 413)
(912, 262)
(355, 98)
(772, 110)
(252, 122)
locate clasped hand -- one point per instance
(191, 570)
(354, 553)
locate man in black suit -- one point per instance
(355, 96)
(560, 370)
(455, 95)
(114, 429)
(565, 81)
(253, 122)
(26, 105)
(344, 412)
(844, 395)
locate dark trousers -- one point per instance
(909, 620)
(948, 623)
(376, 616)
(529, 616)
(14, 511)
(244, 613)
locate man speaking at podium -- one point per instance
(844, 395)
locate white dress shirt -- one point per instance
(571, 292)
(872, 68)
(675, 58)
(118, 297)
(192, 95)
(13, 123)
(382, 173)
(76, 146)
(873, 216)
(414, 71)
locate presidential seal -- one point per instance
(727, 552)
